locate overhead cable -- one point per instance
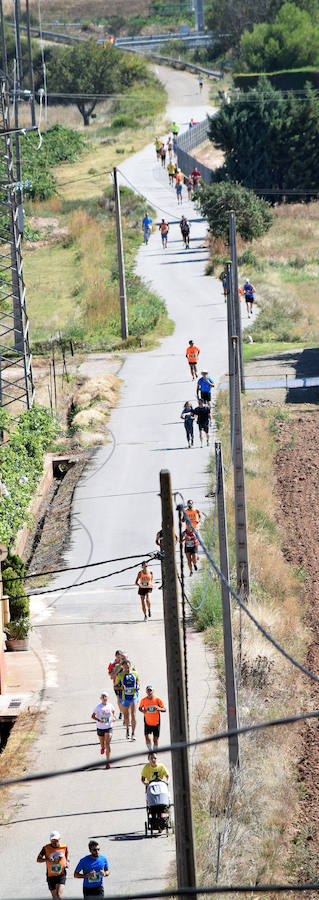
(168, 748)
(243, 606)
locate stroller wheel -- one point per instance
(145, 829)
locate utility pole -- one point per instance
(31, 78)
(199, 15)
(242, 558)
(3, 44)
(184, 840)
(17, 100)
(120, 256)
(231, 696)
(236, 301)
(14, 326)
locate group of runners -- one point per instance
(126, 686)
(248, 291)
(202, 411)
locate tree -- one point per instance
(91, 69)
(270, 141)
(253, 216)
(291, 41)
(232, 17)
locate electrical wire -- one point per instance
(243, 606)
(134, 188)
(102, 562)
(167, 748)
(68, 587)
(216, 889)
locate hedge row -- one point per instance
(286, 80)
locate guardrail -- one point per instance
(175, 63)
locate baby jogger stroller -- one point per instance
(157, 808)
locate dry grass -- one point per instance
(253, 818)
(16, 754)
(79, 9)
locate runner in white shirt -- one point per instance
(104, 715)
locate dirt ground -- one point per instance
(297, 489)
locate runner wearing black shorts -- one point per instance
(152, 707)
(203, 416)
(56, 856)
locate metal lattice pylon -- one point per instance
(16, 381)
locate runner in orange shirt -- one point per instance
(144, 581)
(192, 354)
(56, 856)
(152, 707)
(164, 229)
(193, 515)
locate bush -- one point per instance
(59, 144)
(13, 571)
(21, 469)
(210, 613)
(253, 215)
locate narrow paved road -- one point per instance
(116, 511)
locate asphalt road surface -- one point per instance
(116, 511)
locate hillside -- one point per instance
(75, 10)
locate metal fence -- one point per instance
(187, 141)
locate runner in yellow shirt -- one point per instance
(171, 172)
(154, 771)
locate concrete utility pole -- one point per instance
(184, 841)
(242, 558)
(31, 78)
(120, 255)
(231, 696)
(199, 15)
(14, 326)
(236, 301)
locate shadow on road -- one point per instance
(306, 365)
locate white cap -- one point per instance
(55, 836)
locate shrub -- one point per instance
(13, 571)
(253, 215)
(22, 466)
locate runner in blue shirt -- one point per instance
(147, 228)
(92, 868)
(249, 292)
(204, 388)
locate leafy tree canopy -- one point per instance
(253, 215)
(270, 141)
(232, 17)
(92, 69)
(291, 41)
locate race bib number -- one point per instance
(106, 717)
(144, 582)
(94, 877)
(129, 692)
(56, 868)
(151, 709)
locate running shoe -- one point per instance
(133, 738)
(145, 618)
(127, 734)
(102, 751)
(195, 567)
(120, 716)
(108, 766)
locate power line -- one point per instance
(260, 627)
(102, 562)
(68, 587)
(216, 889)
(168, 748)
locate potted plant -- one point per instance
(19, 627)
(18, 633)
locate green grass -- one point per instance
(51, 276)
(252, 351)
